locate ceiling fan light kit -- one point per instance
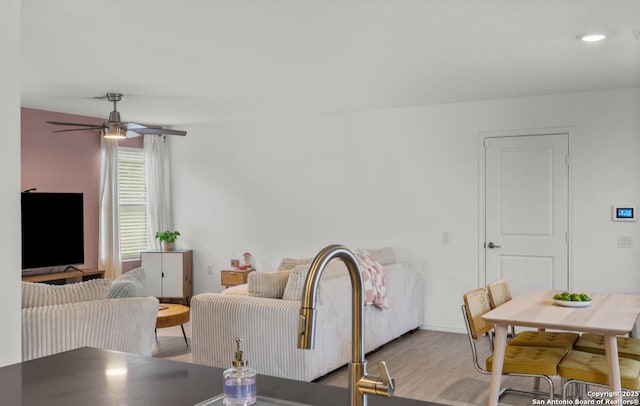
(115, 128)
(114, 133)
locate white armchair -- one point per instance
(62, 318)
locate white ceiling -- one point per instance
(189, 61)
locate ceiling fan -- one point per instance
(115, 128)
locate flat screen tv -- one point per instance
(52, 229)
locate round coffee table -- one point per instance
(170, 315)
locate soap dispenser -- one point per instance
(239, 381)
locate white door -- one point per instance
(526, 211)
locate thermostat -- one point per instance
(623, 213)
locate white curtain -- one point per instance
(157, 182)
(109, 257)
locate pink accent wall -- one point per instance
(66, 162)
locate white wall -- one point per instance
(10, 342)
(289, 186)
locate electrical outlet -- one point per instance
(625, 241)
(209, 269)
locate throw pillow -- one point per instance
(129, 284)
(287, 264)
(384, 256)
(42, 294)
(267, 284)
(295, 286)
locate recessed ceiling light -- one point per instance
(593, 37)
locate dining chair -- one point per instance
(594, 343)
(499, 294)
(580, 367)
(525, 361)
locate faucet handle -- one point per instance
(382, 385)
(386, 378)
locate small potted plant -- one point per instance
(167, 238)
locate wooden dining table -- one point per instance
(608, 314)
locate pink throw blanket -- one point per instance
(373, 280)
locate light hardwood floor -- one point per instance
(427, 365)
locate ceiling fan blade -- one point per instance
(76, 124)
(140, 129)
(133, 126)
(78, 129)
(159, 131)
(132, 134)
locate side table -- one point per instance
(233, 277)
(170, 315)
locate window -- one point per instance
(133, 202)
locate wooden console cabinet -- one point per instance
(63, 278)
(168, 274)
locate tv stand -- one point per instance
(67, 276)
(73, 268)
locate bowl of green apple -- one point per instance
(567, 299)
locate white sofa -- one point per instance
(268, 326)
(62, 318)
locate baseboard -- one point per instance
(444, 329)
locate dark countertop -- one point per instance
(89, 376)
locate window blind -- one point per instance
(133, 201)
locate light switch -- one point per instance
(445, 238)
(625, 241)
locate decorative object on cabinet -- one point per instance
(168, 239)
(247, 261)
(168, 274)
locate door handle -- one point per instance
(492, 245)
